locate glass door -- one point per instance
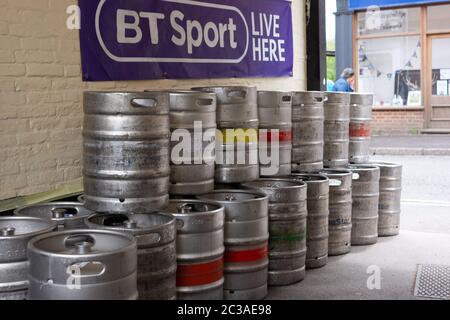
(438, 108)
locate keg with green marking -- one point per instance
(287, 228)
(317, 221)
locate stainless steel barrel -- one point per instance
(317, 221)
(200, 249)
(336, 129)
(67, 215)
(340, 206)
(287, 228)
(307, 131)
(235, 161)
(237, 139)
(246, 239)
(389, 206)
(275, 113)
(192, 112)
(126, 151)
(15, 232)
(360, 118)
(236, 106)
(365, 195)
(83, 264)
(157, 262)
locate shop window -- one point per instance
(385, 22)
(438, 18)
(391, 68)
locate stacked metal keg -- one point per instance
(15, 233)
(237, 119)
(246, 242)
(193, 113)
(67, 215)
(336, 129)
(200, 249)
(230, 243)
(287, 228)
(389, 206)
(360, 118)
(365, 196)
(340, 206)
(155, 234)
(307, 131)
(83, 264)
(317, 221)
(126, 151)
(275, 113)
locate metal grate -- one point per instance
(433, 281)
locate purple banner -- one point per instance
(182, 39)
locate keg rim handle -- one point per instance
(286, 98)
(148, 235)
(144, 102)
(79, 265)
(335, 182)
(237, 93)
(203, 102)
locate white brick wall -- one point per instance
(41, 93)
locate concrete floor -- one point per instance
(424, 239)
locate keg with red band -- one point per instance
(270, 134)
(256, 254)
(199, 274)
(359, 129)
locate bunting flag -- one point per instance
(364, 58)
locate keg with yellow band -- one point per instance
(231, 136)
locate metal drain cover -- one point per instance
(433, 281)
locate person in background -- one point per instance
(347, 81)
(330, 85)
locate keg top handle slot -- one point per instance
(322, 99)
(335, 182)
(86, 269)
(204, 102)
(151, 238)
(144, 102)
(286, 98)
(237, 93)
